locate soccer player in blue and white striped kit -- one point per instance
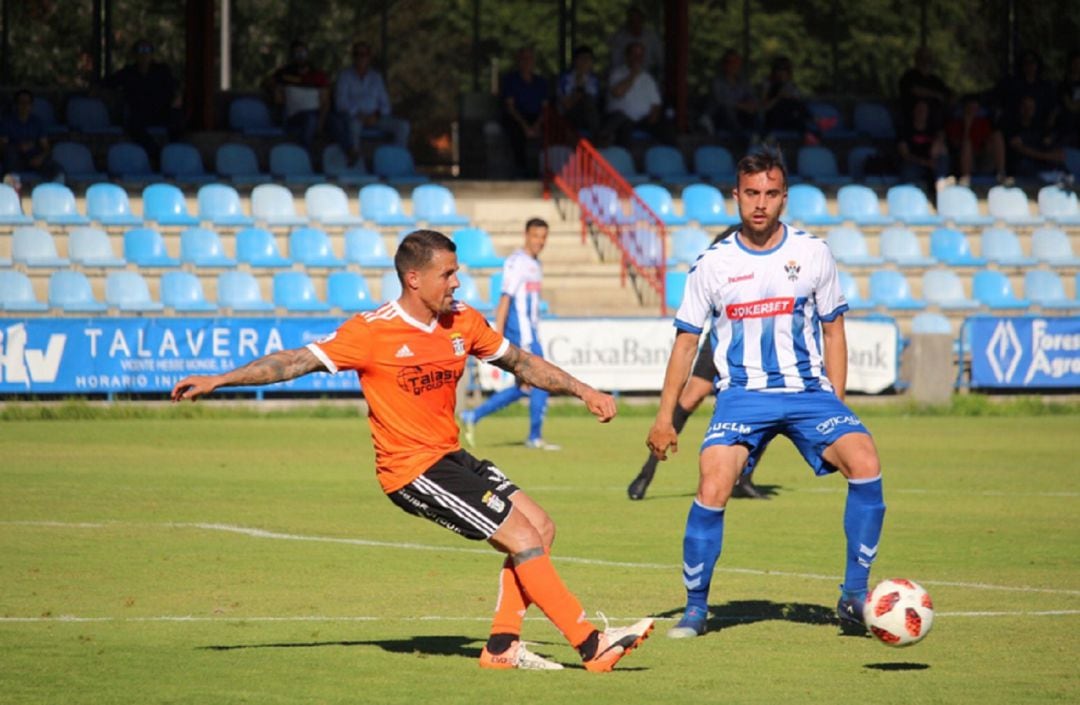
(773, 297)
(517, 317)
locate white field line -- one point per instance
(273, 535)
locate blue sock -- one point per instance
(701, 549)
(863, 516)
(498, 400)
(537, 407)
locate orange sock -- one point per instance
(512, 602)
(542, 585)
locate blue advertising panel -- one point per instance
(1025, 352)
(134, 355)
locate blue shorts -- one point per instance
(813, 420)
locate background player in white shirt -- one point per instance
(517, 316)
(767, 291)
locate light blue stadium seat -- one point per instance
(992, 288)
(219, 205)
(806, 205)
(930, 323)
(890, 289)
(389, 286)
(349, 292)
(623, 162)
(658, 200)
(901, 247)
(239, 291)
(291, 163)
(944, 288)
(202, 247)
(17, 293)
(908, 204)
(11, 212)
(129, 292)
(273, 205)
(849, 247)
(182, 163)
(312, 248)
(951, 247)
(256, 247)
(1011, 205)
(328, 205)
(337, 167)
(860, 204)
(1001, 246)
(674, 288)
(395, 164)
(874, 121)
(381, 204)
(468, 292)
(1059, 205)
(475, 249)
(250, 116)
(89, 115)
(146, 248)
(71, 291)
(183, 293)
(829, 121)
(704, 204)
(714, 163)
(366, 248)
(238, 163)
(435, 205)
(1052, 246)
(294, 291)
(850, 288)
(55, 204)
(90, 247)
(77, 162)
(108, 205)
(1045, 289)
(665, 163)
(817, 163)
(34, 247)
(555, 155)
(643, 246)
(127, 161)
(959, 205)
(602, 204)
(687, 244)
(165, 205)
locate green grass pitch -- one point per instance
(254, 560)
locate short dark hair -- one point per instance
(417, 249)
(763, 160)
(536, 223)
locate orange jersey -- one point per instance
(409, 372)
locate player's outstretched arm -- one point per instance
(662, 435)
(275, 367)
(538, 372)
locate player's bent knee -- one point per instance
(855, 455)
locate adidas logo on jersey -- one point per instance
(404, 351)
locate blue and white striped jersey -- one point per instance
(522, 280)
(765, 309)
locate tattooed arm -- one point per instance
(538, 372)
(275, 367)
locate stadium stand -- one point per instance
(256, 247)
(817, 163)
(129, 163)
(250, 116)
(674, 288)
(1052, 246)
(295, 292)
(1046, 290)
(89, 115)
(129, 292)
(864, 165)
(77, 163)
(602, 202)
(807, 205)
(107, 204)
(34, 247)
(395, 164)
(238, 163)
(1059, 205)
(623, 162)
(182, 292)
(182, 163)
(328, 205)
(435, 205)
(475, 249)
(993, 289)
(849, 248)
(349, 292)
(1011, 205)
(666, 164)
(70, 291)
(336, 166)
(850, 288)
(311, 247)
(931, 323)
(366, 248)
(165, 205)
(829, 121)
(890, 289)
(17, 293)
(951, 247)
(219, 205)
(704, 204)
(658, 200)
(11, 212)
(90, 247)
(714, 163)
(1001, 246)
(687, 244)
(202, 247)
(909, 205)
(901, 247)
(943, 288)
(273, 205)
(469, 292)
(55, 204)
(239, 292)
(873, 120)
(146, 248)
(43, 109)
(958, 205)
(381, 204)
(860, 205)
(389, 286)
(291, 163)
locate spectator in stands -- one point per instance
(23, 140)
(634, 102)
(1027, 81)
(524, 96)
(362, 103)
(636, 31)
(579, 93)
(732, 105)
(1033, 148)
(920, 83)
(923, 156)
(782, 102)
(974, 143)
(303, 91)
(151, 98)
(1069, 97)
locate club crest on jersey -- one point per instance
(493, 501)
(792, 268)
(458, 342)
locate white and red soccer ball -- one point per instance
(898, 612)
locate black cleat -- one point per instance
(637, 488)
(745, 489)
